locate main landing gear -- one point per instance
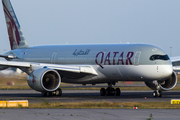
(57, 92)
(110, 91)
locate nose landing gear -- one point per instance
(157, 92)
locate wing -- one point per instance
(88, 69)
(7, 56)
(176, 62)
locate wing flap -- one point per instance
(15, 64)
(59, 67)
(88, 69)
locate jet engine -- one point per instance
(44, 80)
(165, 85)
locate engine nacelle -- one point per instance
(44, 79)
(164, 85)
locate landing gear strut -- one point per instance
(110, 91)
(57, 92)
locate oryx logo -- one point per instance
(13, 32)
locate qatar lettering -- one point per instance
(114, 58)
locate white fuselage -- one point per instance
(114, 62)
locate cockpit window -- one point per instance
(159, 57)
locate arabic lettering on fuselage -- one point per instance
(117, 58)
(81, 52)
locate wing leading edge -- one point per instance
(67, 68)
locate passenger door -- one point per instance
(53, 58)
(137, 57)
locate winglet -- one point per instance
(16, 36)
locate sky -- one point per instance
(50, 22)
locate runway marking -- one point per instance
(175, 101)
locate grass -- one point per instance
(14, 87)
(102, 105)
(108, 105)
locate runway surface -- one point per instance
(87, 95)
(89, 114)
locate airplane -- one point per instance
(49, 65)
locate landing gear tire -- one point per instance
(103, 92)
(44, 94)
(58, 92)
(117, 92)
(108, 92)
(160, 94)
(157, 94)
(49, 94)
(112, 91)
